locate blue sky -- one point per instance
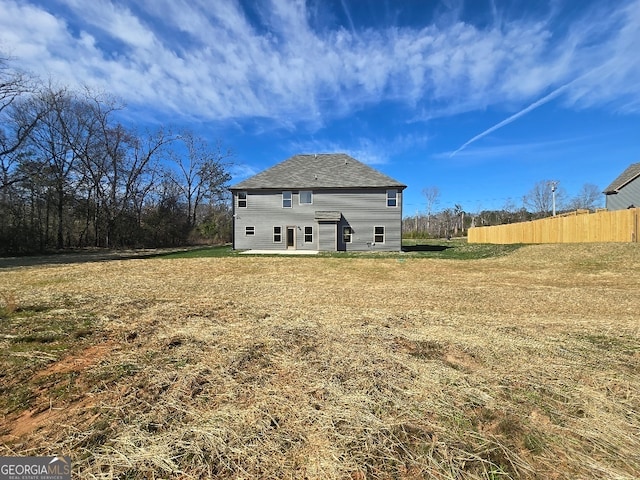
(480, 98)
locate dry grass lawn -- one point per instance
(521, 366)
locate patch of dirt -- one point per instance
(541, 420)
(425, 350)
(46, 413)
(450, 355)
(34, 420)
(461, 360)
(79, 362)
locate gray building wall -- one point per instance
(628, 195)
(362, 210)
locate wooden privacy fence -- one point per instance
(575, 227)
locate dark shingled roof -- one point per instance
(631, 173)
(322, 170)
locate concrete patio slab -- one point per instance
(279, 252)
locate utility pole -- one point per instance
(554, 185)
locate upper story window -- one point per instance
(392, 198)
(242, 199)
(286, 200)
(306, 197)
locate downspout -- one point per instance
(401, 216)
(233, 220)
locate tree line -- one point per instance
(73, 176)
(541, 201)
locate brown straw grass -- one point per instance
(523, 366)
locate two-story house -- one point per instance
(323, 202)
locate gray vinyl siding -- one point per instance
(362, 210)
(628, 195)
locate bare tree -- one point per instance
(51, 142)
(16, 123)
(431, 196)
(540, 198)
(458, 221)
(200, 173)
(589, 197)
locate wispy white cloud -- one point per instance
(14, 21)
(547, 98)
(348, 15)
(240, 171)
(612, 68)
(217, 60)
(372, 151)
(361, 148)
(618, 81)
(501, 150)
(118, 22)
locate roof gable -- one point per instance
(631, 173)
(322, 170)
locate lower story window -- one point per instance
(249, 230)
(347, 232)
(378, 234)
(277, 234)
(308, 234)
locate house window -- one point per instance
(277, 234)
(242, 199)
(392, 198)
(308, 234)
(286, 199)
(378, 234)
(347, 232)
(249, 231)
(306, 197)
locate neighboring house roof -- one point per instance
(631, 173)
(321, 170)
